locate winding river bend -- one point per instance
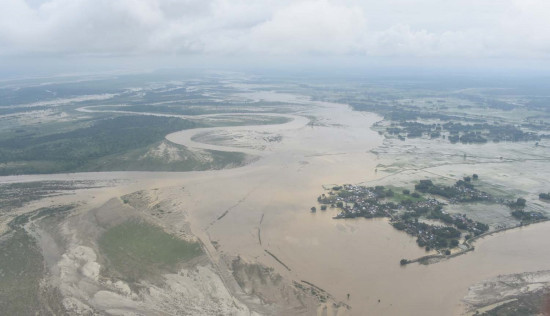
(261, 212)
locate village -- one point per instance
(461, 191)
(414, 213)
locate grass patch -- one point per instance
(21, 269)
(136, 250)
(399, 197)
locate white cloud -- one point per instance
(454, 28)
(310, 27)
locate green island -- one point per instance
(422, 213)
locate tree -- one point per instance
(406, 192)
(424, 185)
(313, 209)
(521, 202)
(475, 176)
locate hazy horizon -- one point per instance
(52, 37)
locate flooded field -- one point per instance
(261, 213)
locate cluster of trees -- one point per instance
(444, 237)
(462, 222)
(478, 133)
(494, 132)
(415, 195)
(544, 196)
(427, 186)
(435, 211)
(468, 138)
(519, 203)
(381, 192)
(430, 236)
(526, 216)
(462, 190)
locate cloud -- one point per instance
(310, 27)
(422, 28)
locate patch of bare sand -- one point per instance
(505, 288)
(197, 288)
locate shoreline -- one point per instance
(468, 243)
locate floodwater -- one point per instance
(266, 206)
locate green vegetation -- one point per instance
(457, 132)
(406, 195)
(44, 212)
(461, 191)
(121, 143)
(74, 150)
(186, 160)
(136, 250)
(21, 270)
(517, 204)
(526, 216)
(13, 195)
(544, 196)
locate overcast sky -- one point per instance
(449, 29)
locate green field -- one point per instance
(399, 196)
(137, 250)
